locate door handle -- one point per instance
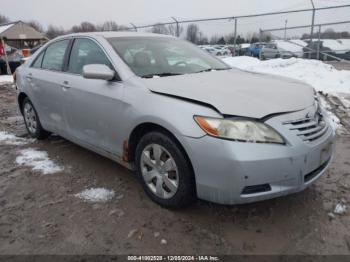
(65, 84)
(29, 76)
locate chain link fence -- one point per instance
(238, 32)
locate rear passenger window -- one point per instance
(38, 61)
(54, 56)
(86, 52)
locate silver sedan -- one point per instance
(191, 126)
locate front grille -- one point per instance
(308, 129)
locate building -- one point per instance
(20, 35)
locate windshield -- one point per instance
(162, 56)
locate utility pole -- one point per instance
(177, 27)
(319, 42)
(285, 30)
(312, 24)
(235, 38)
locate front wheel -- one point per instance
(32, 122)
(165, 172)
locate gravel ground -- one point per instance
(41, 214)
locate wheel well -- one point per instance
(21, 98)
(140, 131)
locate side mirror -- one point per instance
(96, 71)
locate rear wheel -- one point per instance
(32, 122)
(164, 171)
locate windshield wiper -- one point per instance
(160, 75)
(211, 69)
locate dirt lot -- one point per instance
(39, 214)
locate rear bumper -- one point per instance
(229, 172)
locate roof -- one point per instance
(3, 28)
(118, 34)
(19, 31)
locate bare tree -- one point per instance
(192, 33)
(108, 26)
(84, 27)
(160, 29)
(173, 30)
(214, 40)
(54, 31)
(4, 19)
(36, 25)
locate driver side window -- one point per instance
(86, 52)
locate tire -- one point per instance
(179, 174)
(32, 121)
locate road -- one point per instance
(41, 215)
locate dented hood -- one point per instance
(238, 93)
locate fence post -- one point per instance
(312, 25)
(177, 27)
(318, 43)
(285, 30)
(235, 38)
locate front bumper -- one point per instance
(229, 172)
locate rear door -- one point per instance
(46, 90)
(93, 107)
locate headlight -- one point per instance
(239, 129)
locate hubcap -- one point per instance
(159, 171)
(30, 118)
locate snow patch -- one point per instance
(96, 195)
(38, 160)
(340, 209)
(10, 139)
(333, 119)
(6, 79)
(323, 77)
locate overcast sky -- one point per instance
(69, 12)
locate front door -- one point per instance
(93, 107)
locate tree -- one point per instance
(84, 27)
(108, 26)
(214, 39)
(36, 25)
(329, 34)
(160, 29)
(173, 30)
(192, 33)
(221, 41)
(54, 31)
(4, 19)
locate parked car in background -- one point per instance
(318, 45)
(271, 50)
(212, 50)
(191, 129)
(14, 57)
(255, 49)
(287, 54)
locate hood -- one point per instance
(238, 93)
